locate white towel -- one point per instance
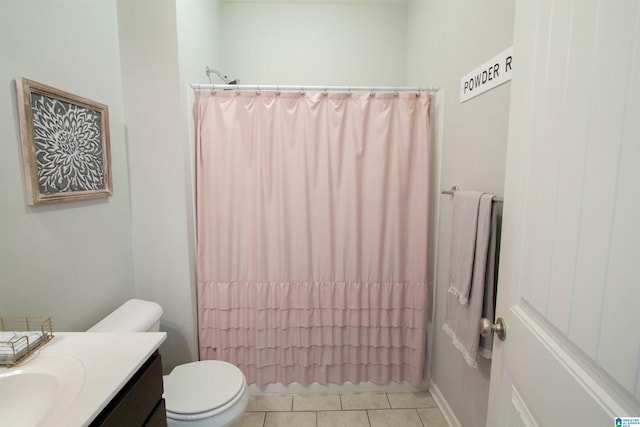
(463, 243)
(462, 320)
(13, 345)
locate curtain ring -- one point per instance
(373, 88)
(237, 89)
(278, 90)
(324, 92)
(349, 91)
(257, 90)
(301, 90)
(418, 92)
(397, 93)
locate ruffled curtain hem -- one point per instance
(316, 332)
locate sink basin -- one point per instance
(40, 390)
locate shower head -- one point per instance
(223, 77)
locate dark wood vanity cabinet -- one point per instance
(139, 402)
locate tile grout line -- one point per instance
(388, 400)
(420, 418)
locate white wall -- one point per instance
(72, 261)
(75, 261)
(164, 45)
(198, 27)
(445, 41)
(313, 44)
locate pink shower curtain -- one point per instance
(312, 234)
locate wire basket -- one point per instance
(21, 335)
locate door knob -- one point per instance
(487, 328)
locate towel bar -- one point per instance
(456, 188)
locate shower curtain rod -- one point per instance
(304, 88)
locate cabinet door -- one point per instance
(137, 400)
(158, 417)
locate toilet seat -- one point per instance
(203, 389)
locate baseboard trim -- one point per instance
(442, 403)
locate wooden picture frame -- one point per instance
(65, 144)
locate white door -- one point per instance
(569, 286)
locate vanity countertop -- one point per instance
(108, 361)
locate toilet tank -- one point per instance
(135, 315)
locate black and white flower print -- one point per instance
(68, 146)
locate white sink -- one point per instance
(39, 389)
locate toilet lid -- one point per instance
(201, 386)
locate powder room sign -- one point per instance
(492, 73)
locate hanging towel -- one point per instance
(462, 320)
(491, 277)
(463, 243)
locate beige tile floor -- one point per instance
(342, 410)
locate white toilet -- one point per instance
(198, 394)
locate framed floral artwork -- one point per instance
(65, 144)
